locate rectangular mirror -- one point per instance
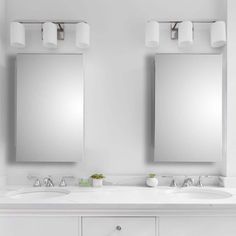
(50, 108)
(188, 108)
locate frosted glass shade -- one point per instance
(185, 34)
(49, 35)
(218, 34)
(82, 35)
(152, 35)
(17, 35)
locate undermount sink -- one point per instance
(38, 194)
(201, 194)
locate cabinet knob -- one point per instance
(118, 228)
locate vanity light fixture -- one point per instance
(17, 35)
(218, 34)
(152, 34)
(82, 35)
(183, 31)
(52, 31)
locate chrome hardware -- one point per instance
(188, 182)
(37, 182)
(173, 182)
(199, 182)
(48, 181)
(62, 183)
(63, 180)
(118, 228)
(174, 30)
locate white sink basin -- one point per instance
(201, 193)
(38, 194)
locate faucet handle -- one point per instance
(199, 182)
(173, 182)
(37, 182)
(63, 180)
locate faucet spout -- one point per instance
(48, 182)
(188, 182)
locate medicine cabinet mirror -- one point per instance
(49, 108)
(188, 108)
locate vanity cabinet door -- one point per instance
(39, 226)
(197, 226)
(119, 226)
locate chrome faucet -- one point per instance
(188, 182)
(48, 181)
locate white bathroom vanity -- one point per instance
(123, 211)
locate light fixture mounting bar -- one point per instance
(39, 22)
(179, 21)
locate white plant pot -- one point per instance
(152, 182)
(97, 182)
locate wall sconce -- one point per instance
(218, 34)
(152, 37)
(183, 32)
(82, 35)
(51, 33)
(17, 35)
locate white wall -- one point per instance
(119, 80)
(231, 88)
(3, 94)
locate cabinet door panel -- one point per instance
(38, 226)
(197, 226)
(119, 226)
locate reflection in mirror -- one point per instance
(50, 107)
(188, 108)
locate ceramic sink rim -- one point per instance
(38, 193)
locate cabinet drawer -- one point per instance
(197, 226)
(119, 226)
(39, 226)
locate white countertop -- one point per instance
(116, 198)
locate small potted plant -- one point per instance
(97, 180)
(151, 180)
